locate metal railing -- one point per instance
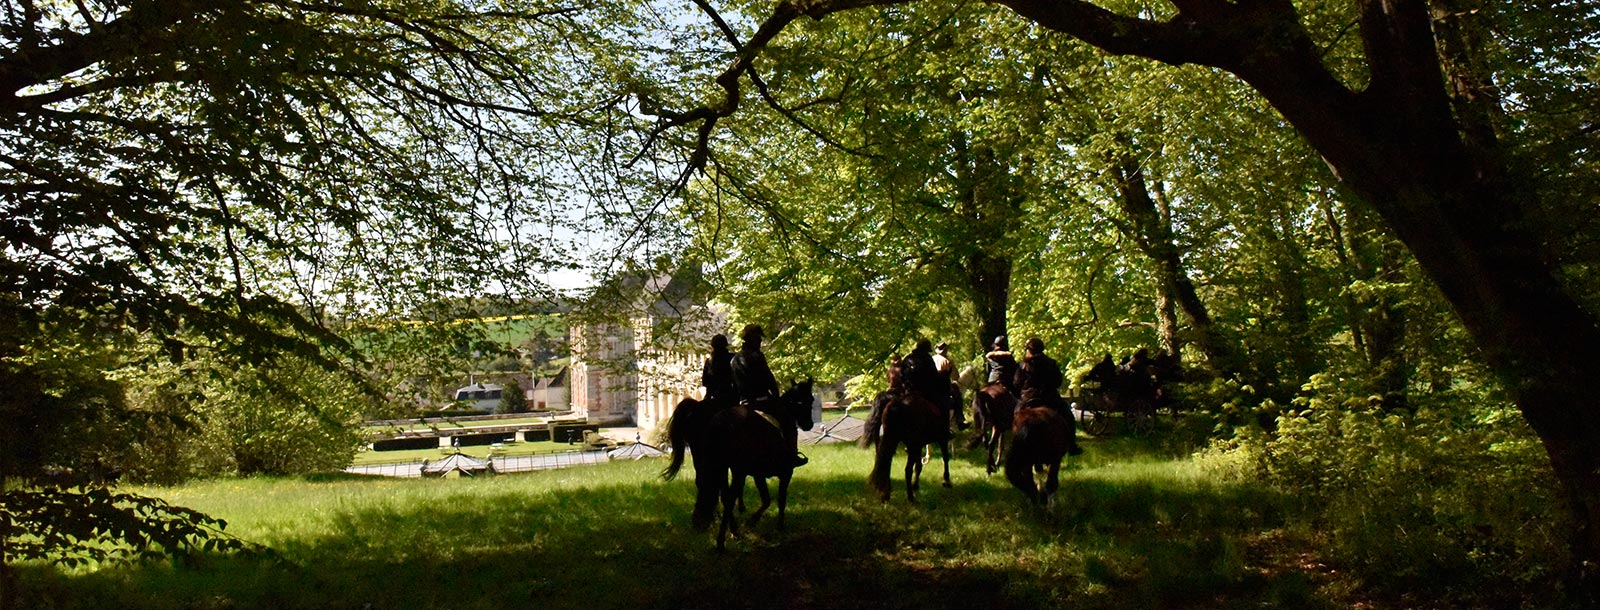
(517, 463)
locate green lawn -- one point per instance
(1133, 528)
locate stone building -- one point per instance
(636, 372)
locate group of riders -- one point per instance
(744, 378)
(928, 372)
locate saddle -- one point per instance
(758, 407)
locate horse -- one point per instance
(686, 430)
(1040, 438)
(993, 408)
(910, 420)
(1130, 389)
(740, 442)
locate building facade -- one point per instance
(638, 372)
(602, 380)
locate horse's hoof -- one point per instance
(947, 485)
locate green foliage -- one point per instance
(512, 398)
(284, 417)
(1455, 497)
(83, 526)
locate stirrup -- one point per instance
(800, 459)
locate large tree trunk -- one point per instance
(1153, 234)
(991, 202)
(989, 284)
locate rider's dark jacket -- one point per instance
(751, 375)
(717, 377)
(1039, 379)
(922, 377)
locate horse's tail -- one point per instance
(874, 427)
(683, 417)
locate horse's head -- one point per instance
(798, 401)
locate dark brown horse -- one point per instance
(915, 422)
(993, 408)
(739, 442)
(1041, 436)
(686, 431)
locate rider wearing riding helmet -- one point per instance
(922, 375)
(751, 375)
(1000, 365)
(758, 388)
(1039, 378)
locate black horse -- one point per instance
(733, 443)
(1041, 437)
(915, 422)
(686, 432)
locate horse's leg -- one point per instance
(980, 424)
(783, 493)
(734, 489)
(766, 498)
(1051, 483)
(708, 491)
(944, 450)
(913, 472)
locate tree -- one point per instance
(239, 181)
(1411, 126)
(512, 398)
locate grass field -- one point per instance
(1133, 528)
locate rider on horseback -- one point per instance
(922, 377)
(947, 376)
(717, 376)
(1000, 365)
(756, 386)
(1039, 378)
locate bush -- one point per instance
(280, 418)
(1455, 496)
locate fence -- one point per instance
(519, 463)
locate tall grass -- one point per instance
(1131, 529)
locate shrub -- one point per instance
(1457, 495)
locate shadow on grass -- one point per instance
(627, 545)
